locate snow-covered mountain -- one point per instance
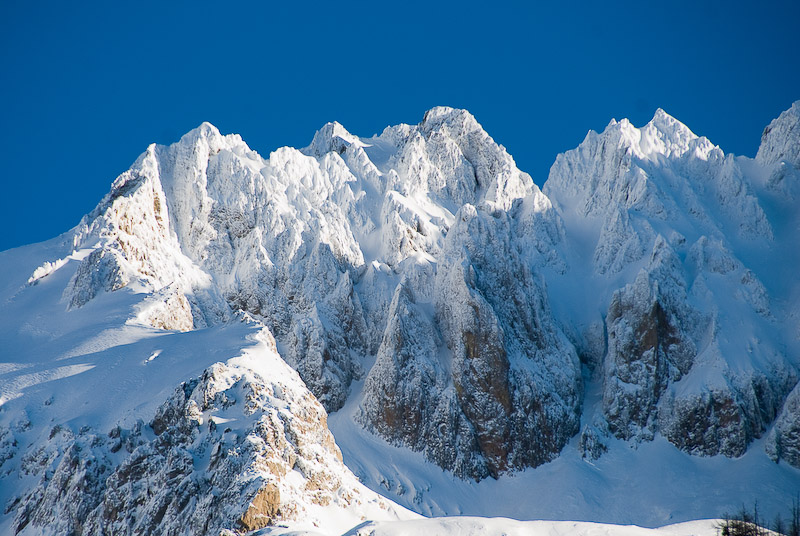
(693, 307)
(169, 363)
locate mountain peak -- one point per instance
(662, 135)
(446, 112)
(205, 134)
(204, 130)
(668, 125)
(661, 115)
(456, 120)
(331, 137)
(781, 138)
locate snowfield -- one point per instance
(471, 526)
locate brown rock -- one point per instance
(263, 509)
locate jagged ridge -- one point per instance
(423, 262)
(336, 245)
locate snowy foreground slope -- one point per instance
(621, 347)
(474, 526)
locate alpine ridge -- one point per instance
(196, 329)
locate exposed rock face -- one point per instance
(516, 377)
(263, 510)
(101, 271)
(652, 334)
(502, 383)
(167, 309)
(709, 423)
(648, 348)
(409, 396)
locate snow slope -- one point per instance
(472, 526)
(484, 527)
(651, 484)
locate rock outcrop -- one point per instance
(783, 441)
(233, 449)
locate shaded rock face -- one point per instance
(725, 418)
(478, 363)
(318, 319)
(647, 350)
(409, 397)
(655, 346)
(516, 377)
(154, 478)
(100, 272)
(783, 441)
(708, 424)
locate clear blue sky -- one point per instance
(86, 87)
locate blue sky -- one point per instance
(85, 87)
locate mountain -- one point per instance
(171, 361)
(697, 344)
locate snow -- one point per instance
(356, 267)
(470, 526)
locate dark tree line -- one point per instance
(750, 523)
